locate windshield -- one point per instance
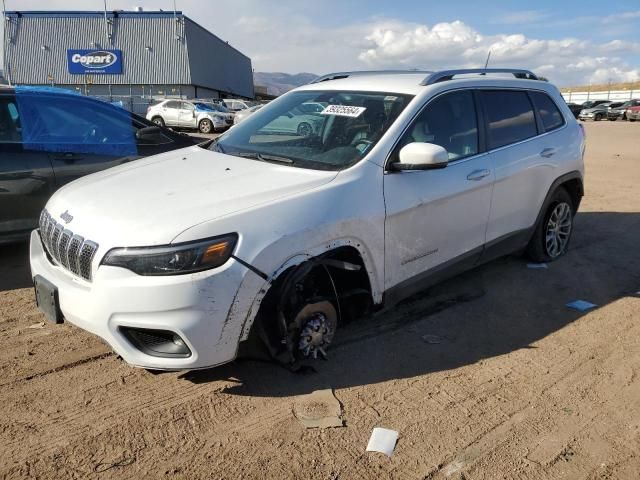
(325, 130)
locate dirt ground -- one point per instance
(519, 386)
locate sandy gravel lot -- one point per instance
(519, 387)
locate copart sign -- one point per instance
(94, 61)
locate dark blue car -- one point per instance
(49, 137)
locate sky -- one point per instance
(571, 42)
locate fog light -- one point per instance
(157, 343)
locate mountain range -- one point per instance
(278, 83)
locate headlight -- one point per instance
(175, 259)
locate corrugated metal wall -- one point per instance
(213, 62)
(181, 52)
(166, 61)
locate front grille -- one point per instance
(68, 250)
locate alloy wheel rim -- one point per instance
(558, 230)
(206, 126)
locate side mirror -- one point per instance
(150, 134)
(421, 156)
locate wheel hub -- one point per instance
(316, 324)
(314, 337)
(558, 230)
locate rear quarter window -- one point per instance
(548, 111)
(509, 116)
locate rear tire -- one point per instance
(205, 126)
(552, 235)
(158, 121)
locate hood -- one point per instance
(151, 201)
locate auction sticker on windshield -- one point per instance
(343, 111)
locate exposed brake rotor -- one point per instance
(316, 324)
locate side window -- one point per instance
(75, 124)
(175, 105)
(548, 111)
(9, 121)
(449, 121)
(187, 106)
(510, 117)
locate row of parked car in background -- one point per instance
(607, 110)
(207, 116)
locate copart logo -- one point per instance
(99, 59)
(66, 216)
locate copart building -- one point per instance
(132, 57)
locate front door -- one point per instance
(435, 218)
(26, 175)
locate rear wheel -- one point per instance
(552, 236)
(158, 121)
(205, 126)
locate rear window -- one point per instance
(510, 117)
(548, 111)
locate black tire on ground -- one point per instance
(205, 126)
(598, 117)
(632, 119)
(158, 121)
(613, 119)
(537, 248)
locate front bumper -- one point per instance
(195, 306)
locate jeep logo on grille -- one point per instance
(66, 216)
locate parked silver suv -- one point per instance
(181, 113)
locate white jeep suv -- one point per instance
(185, 114)
(178, 260)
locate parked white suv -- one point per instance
(184, 114)
(176, 260)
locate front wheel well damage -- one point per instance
(337, 276)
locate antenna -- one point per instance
(486, 64)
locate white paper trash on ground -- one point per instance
(581, 305)
(382, 440)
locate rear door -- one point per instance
(187, 115)
(171, 113)
(26, 174)
(80, 135)
(523, 147)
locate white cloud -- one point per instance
(446, 45)
(522, 17)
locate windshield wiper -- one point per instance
(264, 157)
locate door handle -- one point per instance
(67, 157)
(478, 175)
(548, 152)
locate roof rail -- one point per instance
(446, 75)
(341, 75)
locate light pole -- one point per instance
(7, 75)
